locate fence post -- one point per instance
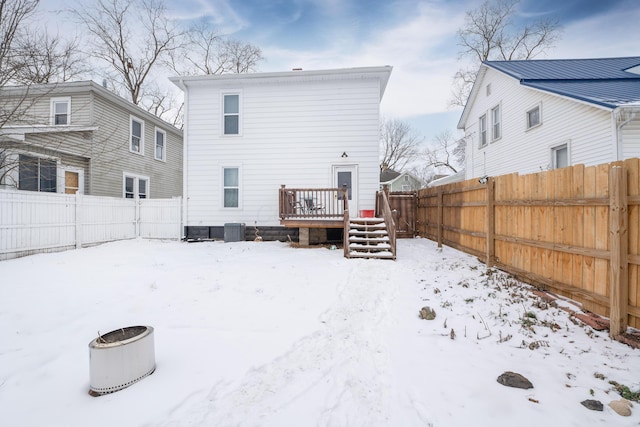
(490, 222)
(440, 218)
(619, 238)
(78, 220)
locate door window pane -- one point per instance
(344, 178)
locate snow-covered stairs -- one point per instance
(368, 238)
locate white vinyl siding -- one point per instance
(588, 127)
(292, 134)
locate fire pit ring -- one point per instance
(120, 358)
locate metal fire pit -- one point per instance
(120, 358)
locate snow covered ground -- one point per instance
(263, 334)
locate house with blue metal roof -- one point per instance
(528, 116)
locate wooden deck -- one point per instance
(313, 207)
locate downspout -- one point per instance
(185, 163)
(619, 113)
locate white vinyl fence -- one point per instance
(32, 222)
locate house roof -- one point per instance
(88, 86)
(388, 175)
(381, 72)
(605, 82)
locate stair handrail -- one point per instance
(345, 208)
(387, 215)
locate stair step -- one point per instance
(378, 255)
(376, 239)
(377, 246)
(368, 233)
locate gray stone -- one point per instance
(427, 313)
(622, 407)
(594, 405)
(512, 379)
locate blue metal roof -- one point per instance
(602, 81)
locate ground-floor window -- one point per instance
(136, 186)
(231, 187)
(560, 156)
(37, 174)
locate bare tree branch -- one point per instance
(13, 14)
(398, 144)
(445, 152)
(489, 33)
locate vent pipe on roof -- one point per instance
(296, 69)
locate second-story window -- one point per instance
(136, 139)
(482, 124)
(161, 138)
(496, 123)
(231, 114)
(61, 111)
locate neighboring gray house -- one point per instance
(528, 116)
(400, 181)
(80, 137)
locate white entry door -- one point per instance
(348, 175)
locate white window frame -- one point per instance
(496, 124)
(482, 133)
(527, 116)
(136, 185)
(60, 100)
(141, 143)
(223, 187)
(162, 158)
(16, 176)
(554, 158)
(63, 179)
(224, 114)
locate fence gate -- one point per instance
(404, 206)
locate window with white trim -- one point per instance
(37, 174)
(136, 186)
(231, 187)
(496, 129)
(533, 117)
(560, 156)
(161, 145)
(61, 111)
(482, 127)
(231, 114)
(136, 135)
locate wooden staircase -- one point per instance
(368, 238)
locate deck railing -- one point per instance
(313, 203)
(388, 215)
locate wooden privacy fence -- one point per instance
(32, 222)
(575, 231)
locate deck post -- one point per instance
(303, 236)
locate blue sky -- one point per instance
(418, 38)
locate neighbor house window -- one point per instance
(495, 123)
(231, 114)
(161, 138)
(136, 140)
(136, 186)
(37, 174)
(231, 187)
(533, 117)
(60, 111)
(560, 156)
(483, 130)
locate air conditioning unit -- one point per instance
(234, 232)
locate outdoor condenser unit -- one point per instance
(234, 232)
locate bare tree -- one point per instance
(208, 52)
(490, 33)
(131, 37)
(47, 59)
(445, 152)
(13, 14)
(398, 144)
